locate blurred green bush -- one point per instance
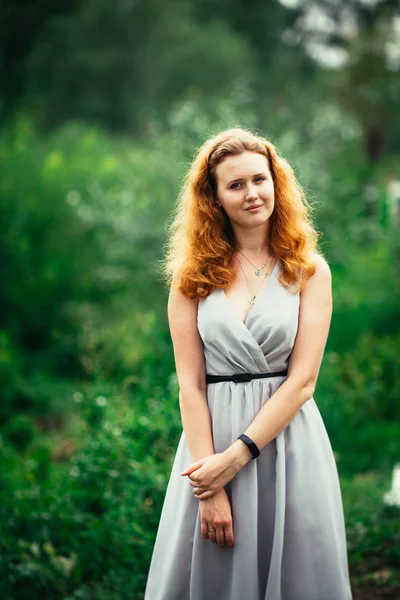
(78, 514)
(358, 395)
(79, 246)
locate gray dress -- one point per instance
(289, 533)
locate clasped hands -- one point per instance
(210, 474)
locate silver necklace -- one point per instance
(257, 271)
(253, 299)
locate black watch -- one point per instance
(250, 444)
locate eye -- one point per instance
(260, 178)
(233, 186)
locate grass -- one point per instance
(373, 537)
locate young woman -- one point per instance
(253, 508)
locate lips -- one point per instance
(255, 206)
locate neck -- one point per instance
(252, 242)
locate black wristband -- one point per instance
(250, 444)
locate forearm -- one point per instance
(273, 417)
(196, 422)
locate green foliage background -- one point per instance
(102, 108)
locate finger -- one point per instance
(195, 484)
(195, 477)
(212, 535)
(192, 468)
(204, 529)
(197, 481)
(187, 471)
(229, 538)
(204, 495)
(220, 536)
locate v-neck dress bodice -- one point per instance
(260, 344)
(290, 540)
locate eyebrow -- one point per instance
(240, 178)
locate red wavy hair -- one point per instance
(201, 242)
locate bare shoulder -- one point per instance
(320, 262)
(181, 307)
(177, 301)
(318, 288)
(177, 297)
(322, 269)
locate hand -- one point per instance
(216, 520)
(213, 472)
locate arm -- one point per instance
(190, 369)
(305, 361)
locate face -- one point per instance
(244, 181)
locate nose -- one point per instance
(251, 192)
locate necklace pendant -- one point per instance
(251, 303)
(258, 273)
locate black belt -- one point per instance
(240, 377)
